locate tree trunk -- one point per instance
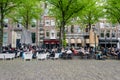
(27, 19)
(89, 25)
(64, 37)
(63, 32)
(60, 37)
(26, 25)
(1, 30)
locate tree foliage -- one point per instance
(64, 11)
(26, 12)
(91, 13)
(6, 6)
(113, 10)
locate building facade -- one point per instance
(108, 34)
(51, 34)
(74, 36)
(46, 34)
(13, 33)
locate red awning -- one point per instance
(46, 43)
(51, 41)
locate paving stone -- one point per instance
(75, 69)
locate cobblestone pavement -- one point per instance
(75, 69)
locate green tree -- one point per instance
(6, 6)
(63, 11)
(112, 8)
(26, 12)
(91, 13)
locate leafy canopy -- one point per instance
(113, 10)
(91, 13)
(64, 10)
(27, 11)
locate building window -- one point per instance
(101, 25)
(19, 35)
(47, 22)
(72, 28)
(118, 33)
(107, 24)
(102, 34)
(19, 25)
(113, 33)
(33, 24)
(53, 35)
(52, 23)
(33, 37)
(78, 30)
(87, 29)
(108, 34)
(58, 34)
(5, 23)
(5, 39)
(113, 25)
(47, 33)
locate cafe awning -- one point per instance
(79, 41)
(51, 41)
(72, 41)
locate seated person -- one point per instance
(113, 52)
(99, 55)
(69, 51)
(69, 54)
(52, 53)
